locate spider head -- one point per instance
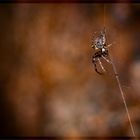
(103, 49)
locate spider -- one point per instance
(99, 44)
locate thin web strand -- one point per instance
(104, 14)
(118, 82)
(122, 94)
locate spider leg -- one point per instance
(101, 65)
(95, 66)
(109, 45)
(107, 60)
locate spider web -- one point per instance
(118, 81)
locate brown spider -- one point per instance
(99, 44)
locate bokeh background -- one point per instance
(48, 86)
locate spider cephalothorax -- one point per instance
(99, 44)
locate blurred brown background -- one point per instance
(48, 86)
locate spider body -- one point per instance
(99, 44)
(100, 41)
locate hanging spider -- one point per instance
(99, 44)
